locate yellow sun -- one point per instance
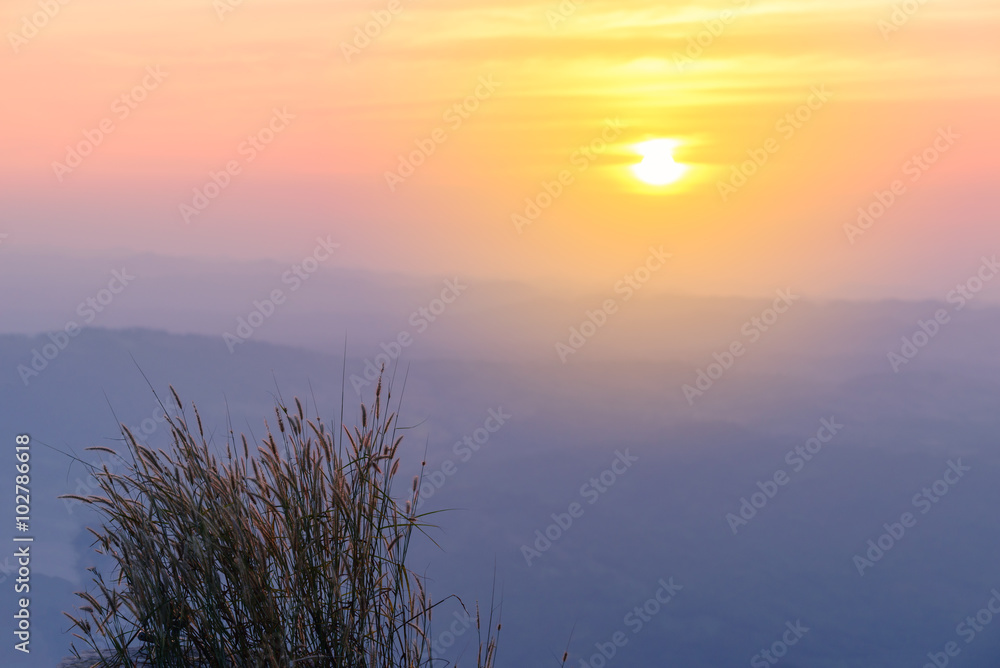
(658, 167)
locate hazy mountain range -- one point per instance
(682, 464)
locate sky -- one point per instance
(809, 150)
(497, 140)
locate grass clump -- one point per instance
(288, 554)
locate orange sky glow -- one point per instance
(498, 139)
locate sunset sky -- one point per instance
(872, 86)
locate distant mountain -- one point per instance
(449, 317)
(665, 516)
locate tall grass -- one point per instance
(291, 553)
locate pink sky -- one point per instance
(537, 86)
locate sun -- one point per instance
(658, 167)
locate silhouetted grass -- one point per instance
(289, 553)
